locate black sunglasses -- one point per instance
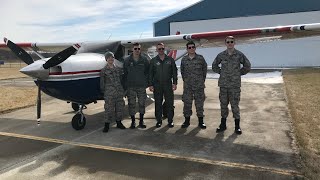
(160, 49)
(228, 42)
(136, 48)
(191, 47)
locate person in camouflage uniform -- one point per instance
(163, 80)
(194, 71)
(111, 87)
(230, 81)
(136, 70)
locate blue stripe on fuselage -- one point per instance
(81, 91)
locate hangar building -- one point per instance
(213, 15)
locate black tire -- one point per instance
(76, 122)
(75, 106)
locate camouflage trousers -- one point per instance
(232, 96)
(113, 106)
(187, 97)
(133, 94)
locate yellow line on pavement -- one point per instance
(157, 154)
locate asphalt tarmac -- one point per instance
(54, 150)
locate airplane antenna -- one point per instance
(110, 36)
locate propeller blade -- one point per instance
(61, 56)
(22, 54)
(39, 104)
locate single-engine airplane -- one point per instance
(72, 74)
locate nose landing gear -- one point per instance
(79, 120)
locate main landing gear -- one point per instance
(79, 120)
(75, 106)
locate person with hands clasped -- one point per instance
(112, 87)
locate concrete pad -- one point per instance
(265, 145)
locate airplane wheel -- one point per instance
(77, 123)
(75, 106)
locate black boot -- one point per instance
(159, 123)
(237, 128)
(202, 125)
(222, 126)
(170, 123)
(186, 122)
(133, 122)
(120, 125)
(141, 123)
(106, 127)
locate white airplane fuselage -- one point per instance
(77, 79)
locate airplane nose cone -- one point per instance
(36, 70)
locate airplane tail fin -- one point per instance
(173, 53)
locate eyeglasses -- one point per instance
(160, 49)
(136, 48)
(228, 42)
(191, 47)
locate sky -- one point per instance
(83, 20)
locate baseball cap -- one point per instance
(108, 54)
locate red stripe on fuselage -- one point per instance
(77, 72)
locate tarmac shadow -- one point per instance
(181, 131)
(194, 131)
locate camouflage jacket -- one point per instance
(111, 81)
(231, 70)
(194, 71)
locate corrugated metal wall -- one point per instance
(213, 9)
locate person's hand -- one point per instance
(174, 87)
(151, 88)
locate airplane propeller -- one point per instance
(61, 56)
(39, 104)
(22, 54)
(53, 61)
(39, 70)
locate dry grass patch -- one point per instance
(303, 92)
(10, 73)
(16, 97)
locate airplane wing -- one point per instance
(242, 36)
(203, 39)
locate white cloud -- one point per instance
(77, 20)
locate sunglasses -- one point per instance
(228, 42)
(136, 48)
(160, 49)
(191, 47)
